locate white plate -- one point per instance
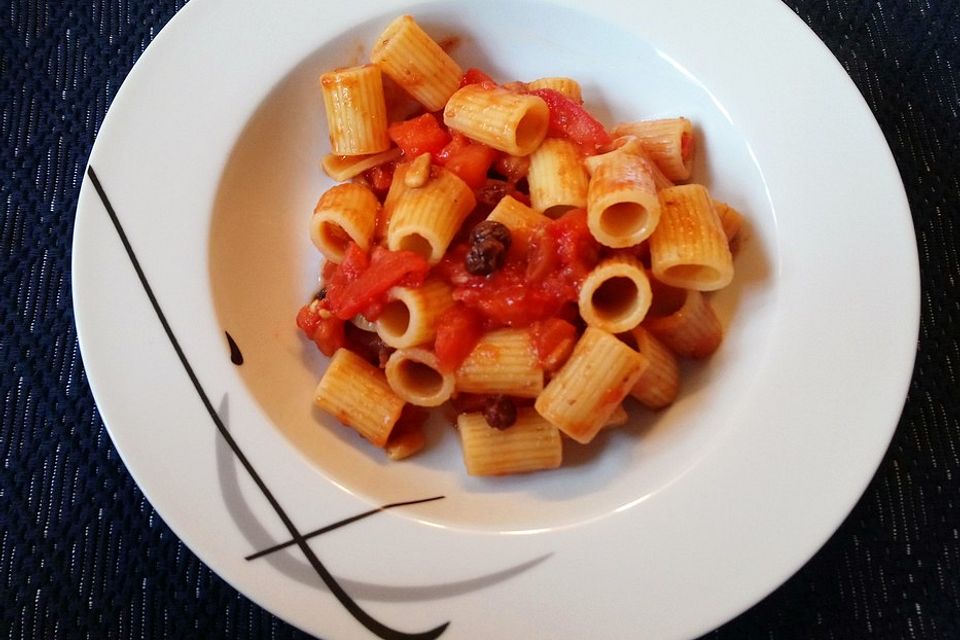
(671, 527)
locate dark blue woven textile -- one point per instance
(83, 555)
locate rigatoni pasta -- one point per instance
(357, 394)
(509, 122)
(616, 295)
(424, 219)
(417, 63)
(557, 178)
(415, 376)
(567, 86)
(356, 110)
(410, 315)
(502, 362)
(689, 248)
(531, 444)
(346, 213)
(692, 330)
(622, 204)
(341, 168)
(659, 383)
(504, 257)
(669, 142)
(583, 395)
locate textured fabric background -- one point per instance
(82, 554)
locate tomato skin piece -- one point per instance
(419, 135)
(570, 120)
(554, 339)
(476, 76)
(458, 331)
(471, 163)
(327, 333)
(534, 284)
(360, 285)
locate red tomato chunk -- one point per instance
(530, 287)
(570, 120)
(419, 135)
(360, 284)
(458, 331)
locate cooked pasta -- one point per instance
(668, 142)
(689, 249)
(356, 110)
(503, 361)
(659, 383)
(616, 295)
(731, 220)
(520, 219)
(424, 219)
(346, 213)
(357, 394)
(622, 204)
(567, 86)
(414, 375)
(342, 168)
(531, 444)
(509, 122)
(504, 259)
(410, 315)
(586, 391)
(691, 330)
(417, 63)
(557, 178)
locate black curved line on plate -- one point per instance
(295, 569)
(341, 595)
(236, 357)
(338, 524)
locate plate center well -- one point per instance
(263, 267)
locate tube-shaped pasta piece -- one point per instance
(356, 111)
(520, 219)
(405, 443)
(509, 122)
(425, 219)
(342, 168)
(730, 219)
(658, 385)
(346, 212)
(417, 63)
(410, 316)
(567, 86)
(415, 376)
(616, 295)
(586, 391)
(669, 143)
(692, 330)
(557, 178)
(531, 444)
(689, 249)
(618, 418)
(357, 394)
(622, 204)
(503, 361)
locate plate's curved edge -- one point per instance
(85, 197)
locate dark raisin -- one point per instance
(485, 257)
(489, 229)
(500, 412)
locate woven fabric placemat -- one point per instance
(84, 555)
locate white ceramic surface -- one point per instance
(667, 528)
